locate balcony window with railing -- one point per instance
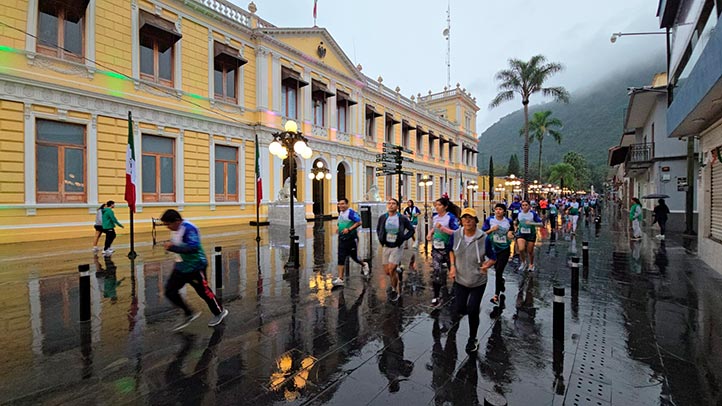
(640, 152)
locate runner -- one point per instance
(190, 268)
(573, 212)
(468, 270)
(445, 223)
(635, 215)
(109, 223)
(348, 222)
(553, 212)
(98, 226)
(412, 213)
(393, 230)
(500, 229)
(515, 208)
(543, 204)
(526, 235)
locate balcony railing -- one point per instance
(640, 152)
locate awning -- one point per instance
(421, 130)
(452, 142)
(343, 96)
(227, 55)
(617, 155)
(162, 30)
(289, 76)
(390, 119)
(320, 89)
(74, 9)
(627, 139)
(370, 110)
(432, 135)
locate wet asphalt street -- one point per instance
(645, 328)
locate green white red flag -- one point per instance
(131, 169)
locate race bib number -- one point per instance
(390, 237)
(499, 239)
(525, 230)
(516, 211)
(439, 245)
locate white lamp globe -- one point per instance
(274, 147)
(290, 126)
(328, 176)
(319, 176)
(307, 153)
(319, 164)
(283, 154)
(311, 175)
(299, 146)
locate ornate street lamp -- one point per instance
(471, 188)
(286, 144)
(426, 182)
(318, 173)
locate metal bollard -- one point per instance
(575, 275)
(219, 268)
(558, 314)
(585, 254)
(84, 295)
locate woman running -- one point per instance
(573, 212)
(527, 222)
(501, 233)
(444, 225)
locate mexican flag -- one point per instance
(259, 182)
(131, 168)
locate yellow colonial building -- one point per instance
(201, 78)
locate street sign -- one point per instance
(397, 147)
(407, 159)
(386, 159)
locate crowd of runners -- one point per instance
(462, 247)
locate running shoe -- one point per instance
(365, 269)
(96, 249)
(472, 345)
(435, 301)
(494, 300)
(394, 296)
(522, 267)
(186, 321)
(531, 268)
(337, 282)
(415, 245)
(108, 252)
(216, 320)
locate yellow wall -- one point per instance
(11, 158)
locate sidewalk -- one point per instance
(644, 329)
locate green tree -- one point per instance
(543, 125)
(582, 174)
(513, 166)
(563, 173)
(526, 78)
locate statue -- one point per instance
(284, 195)
(373, 194)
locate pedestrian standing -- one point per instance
(412, 213)
(470, 259)
(109, 223)
(190, 268)
(98, 226)
(661, 213)
(393, 230)
(500, 230)
(348, 222)
(635, 215)
(444, 225)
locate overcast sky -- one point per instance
(402, 40)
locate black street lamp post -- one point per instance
(286, 144)
(426, 182)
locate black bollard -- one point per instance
(585, 254)
(219, 268)
(575, 275)
(494, 399)
(558, 314)
(84, 295)
(558, 367)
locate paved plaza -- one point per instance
(644, 328)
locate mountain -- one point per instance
(593, 121)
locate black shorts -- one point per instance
(543, 212)
(346, 248)
(98, 228)
(527, 237)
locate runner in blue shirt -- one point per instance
(500, 230)
(527, 222)
(348, 222)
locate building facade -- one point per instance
(695, 106)
(201, 79)
(649, 161)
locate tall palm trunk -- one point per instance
(540, 162)
(525, 182)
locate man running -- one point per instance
(190, 268)
(393, 230)
(348, 222)
(515, 208)
(412, 213)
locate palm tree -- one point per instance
(527, 78)
(542, 125)
(564, 174)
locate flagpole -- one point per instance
(130, 158)
(132, 254)
(258, 222)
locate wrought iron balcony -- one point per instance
(640, 156)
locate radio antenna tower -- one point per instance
(447, 35)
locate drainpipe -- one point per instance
(689, 195)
